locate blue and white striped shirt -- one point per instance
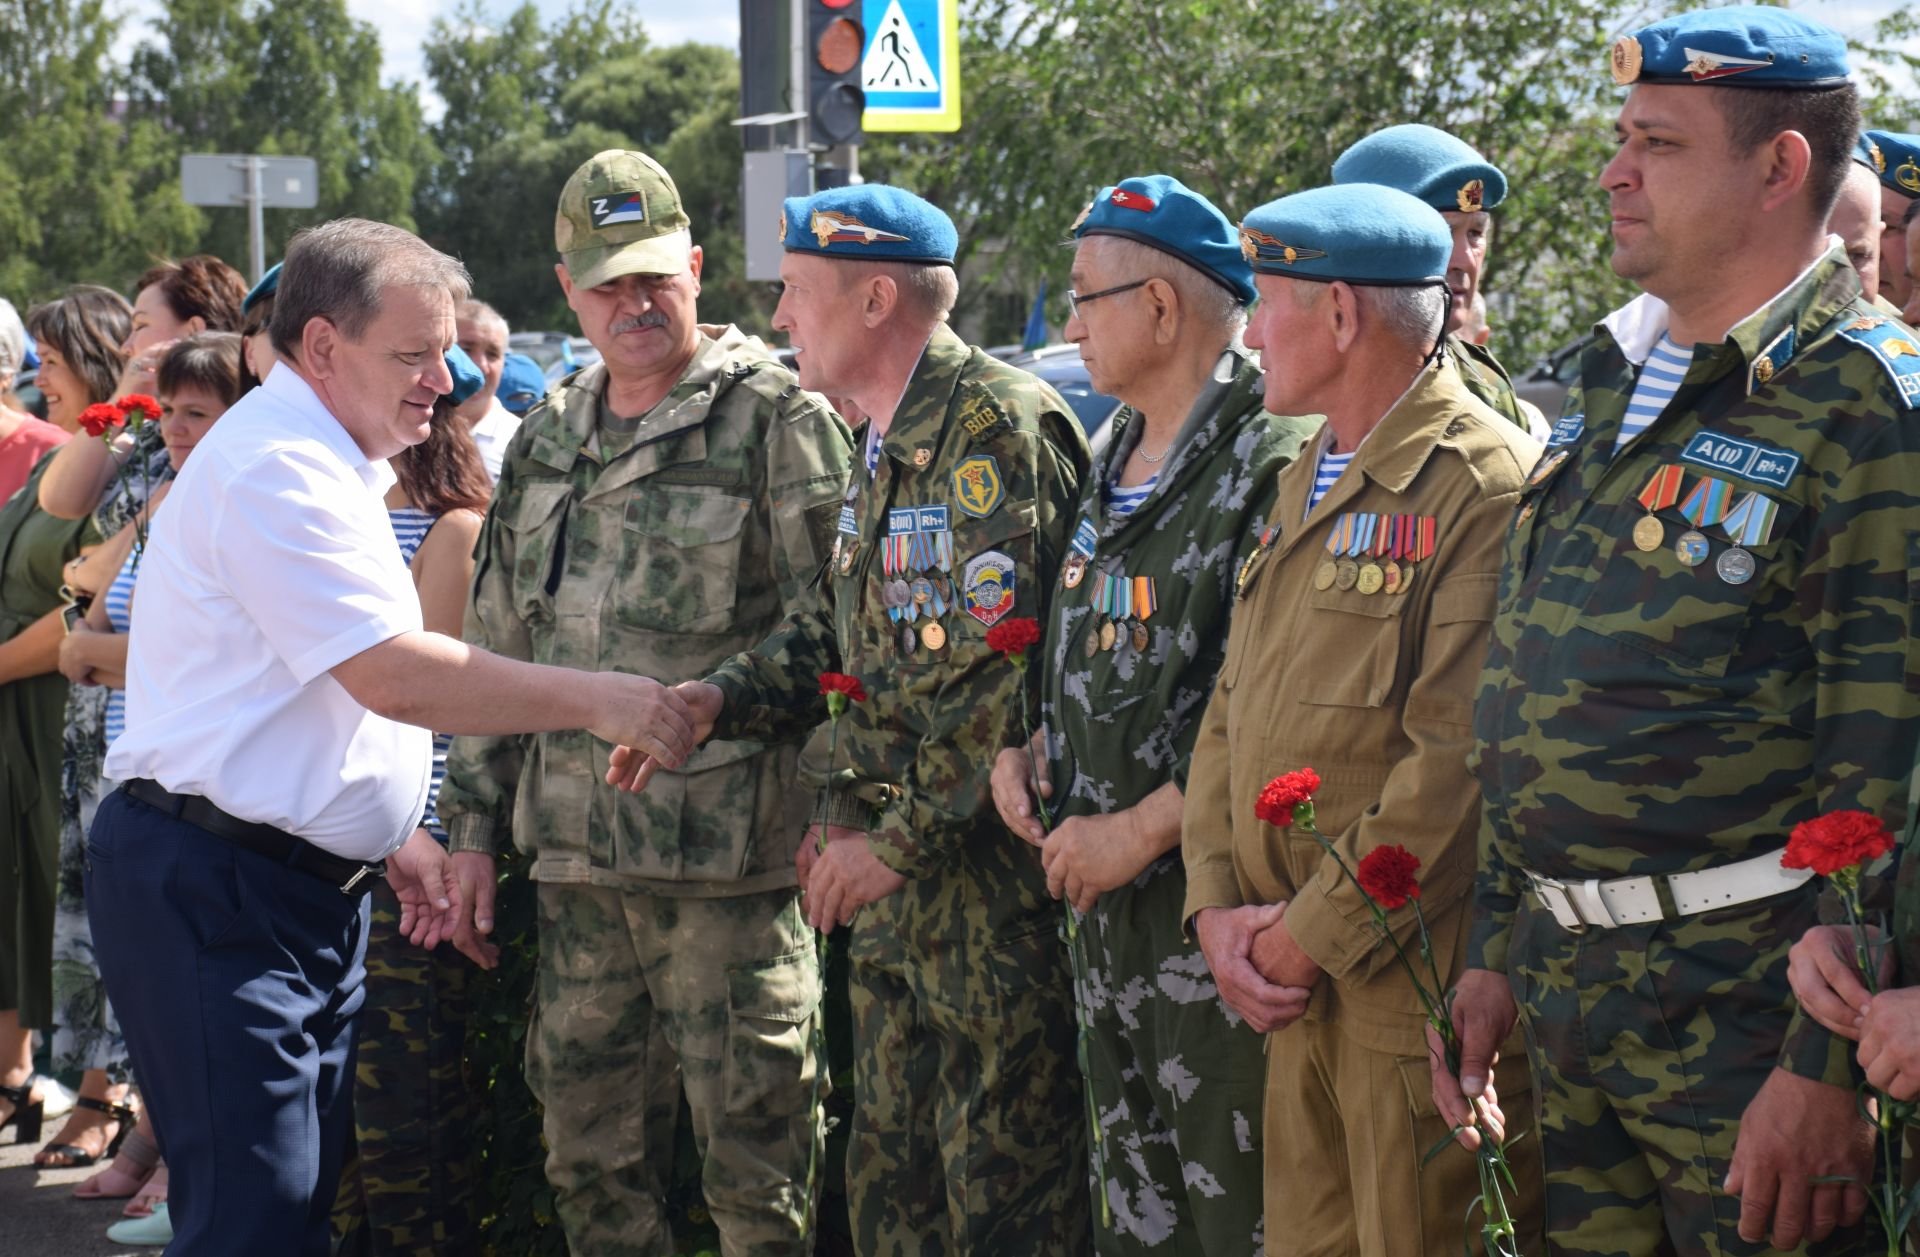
(1331, 467)
(119, 598)
(1660, 378)
(1124, 500)
(410, 527)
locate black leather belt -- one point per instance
(352, 877)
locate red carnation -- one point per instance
(1285, 793)
(1837, 842)
(101, 418)
(1013, 637)
(1387, 875)
(137, 408)
(839, 689)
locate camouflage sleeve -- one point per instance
(1206, 819)
(1496, 893)
(981, 697)
(772, 692)
(1859, 593)
(807, 469)
(1428, 804)
(476, 800)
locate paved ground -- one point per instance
(39, 1216)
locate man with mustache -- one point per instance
(1705, 637)
(658, 513)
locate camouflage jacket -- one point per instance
(1121, 722)
(662, 560)
(995, 455)
(1640, 716)
(1487, 380)
(1371, 688)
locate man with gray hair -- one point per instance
(279, 697)
(1355, 650)
(23, 438)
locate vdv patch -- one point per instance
(988, 587)
(977, 486)
(1892, 344)
(848, 524)
(1568, 429)
(1735, 456)
(1085, 538)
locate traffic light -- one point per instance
(835, 100)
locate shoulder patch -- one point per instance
(1894, 345)
(980, 414)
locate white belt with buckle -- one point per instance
(1591, 904)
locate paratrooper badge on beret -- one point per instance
(1161, 212)
(1739, 46)
(872, 221)
(1899, 164)
(1868, 154)
(1431, 165)
(1358, 233)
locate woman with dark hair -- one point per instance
(414, 1175)
(171, 300)
(78, 336)
(198, 379)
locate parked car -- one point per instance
(584, 354)
(552, 350)
(1060, 366)
(1551, 378)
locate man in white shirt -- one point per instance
(279, 692)
(482, 333)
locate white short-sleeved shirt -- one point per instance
(492, 433)
(272, 561)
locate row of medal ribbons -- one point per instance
(917, 575)
(1706, 502)
(1375, 552)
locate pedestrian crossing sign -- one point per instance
(910, 69)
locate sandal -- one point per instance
(135, 1166)
(73, 1155)
(150, 1198)
(29, 1110)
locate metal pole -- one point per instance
(797, 89)
(256, 219)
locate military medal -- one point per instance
(908, 639)
(1107, 635)
(1422, 532)
(1324, 575)
(1749, 523)
(1146, 600)
(1346, 573)
(1373, 578)
(933, 635)
(1391, 577)
(1079, 554)
(1091, 646)
(848, 540)
(1649, 534)
(1705, 506)
(1115, 633)
(1073, 571)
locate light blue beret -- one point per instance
(1738, 46)
(1362, 233)
(870, 220)
(1442, 170)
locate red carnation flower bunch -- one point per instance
(841, 689)
(101, 418)
(1837, 843)
(1012, 637)
(1387, 878)
(1283, 798)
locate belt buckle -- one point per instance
(1554, 896)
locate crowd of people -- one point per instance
(1342, 761)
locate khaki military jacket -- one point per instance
(1372, 691)
(661, 559)
(996, 454)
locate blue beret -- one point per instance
(1743, 46)
(1440, 169)
(30, 360)
(871, 220)
(1899, 164)
(1358, 232)
(1160, 211)
(467, 378)
(268, 285)
(522, 383)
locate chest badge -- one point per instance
(977, 486)
(987, 587)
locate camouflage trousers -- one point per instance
(1177, 1081)
(638, 995)
(1647, 1042)
(410, 1185)
(969, 1128)
(1348, 1129)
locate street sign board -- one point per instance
(910, 70)
(222, 179)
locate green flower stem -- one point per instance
(836, 705)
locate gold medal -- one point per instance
(1649, 534)
(933, 635)
(1323, 575)
(1390, 577)
(1092, 645)
(1108, 635)
(1346, 573)
(1371, 579)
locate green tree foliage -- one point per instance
(526, 104)
(1248, 101)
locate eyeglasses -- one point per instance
(1076, 300)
